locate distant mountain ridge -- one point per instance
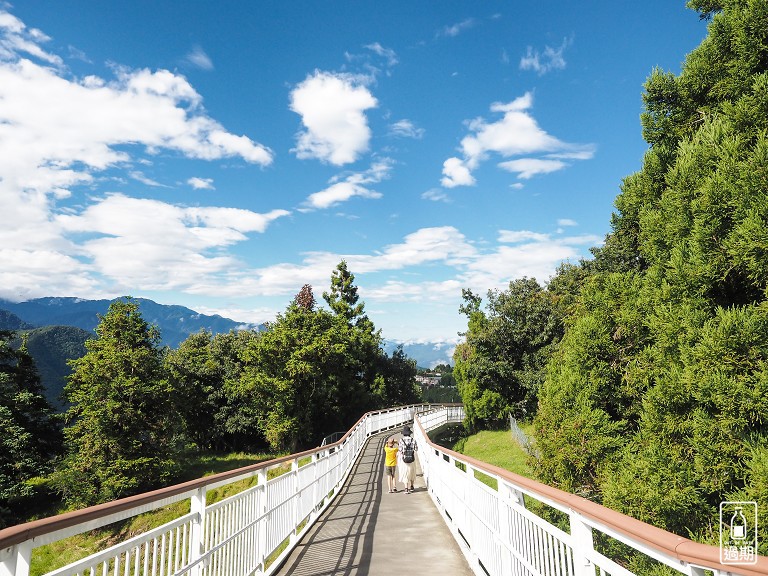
(57, 328)
(426, 354)
(175, 322)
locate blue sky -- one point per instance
(222, 155)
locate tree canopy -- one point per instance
(500, 366)
(123, 425)
(315, 371)
(136, 409)
(649, 360)
(30, 434)
(661, 373)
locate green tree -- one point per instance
(123, 426)
(343, 298)
(304, 375)
(661, 373)
(395, 382)
(501, 365)
(30, 434)
(314, 371)
(204, 372)
(389, 379)
(237, 418)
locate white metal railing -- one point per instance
(210, 540)
(500, 536)
(237, 536)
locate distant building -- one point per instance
(428, 380)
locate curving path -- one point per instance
(366, 530)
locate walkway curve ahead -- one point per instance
(368, 531)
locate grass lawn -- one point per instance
(497, 448)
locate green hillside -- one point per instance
(51, 347)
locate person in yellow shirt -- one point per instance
(390, 463)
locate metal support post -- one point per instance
(583, 545)
(197, 506)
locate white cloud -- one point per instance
(201, 183)
(58, 131)
(458, 28)
(344, 188)
(406, 129)
(566, 222)
(456, 173)
(428, 246)
(332, 108)
(442, 243)
(543, 62)
(339, 192)
(199, 59)
(387, 53)
(533, 260)
(529, 167)
(517, 133)
(399, 291)
(141, 177)
(584, 152)
(436, 195)
(15, 37)
(516, 236)
(156, 245)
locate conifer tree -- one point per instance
(122, 428)
(30, 434)
(656, 401)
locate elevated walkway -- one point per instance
(326, 511)
(369, 531)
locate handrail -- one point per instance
(638, 534)
(17, 542)
(485, 528)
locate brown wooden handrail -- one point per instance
(23, 532)
(668, 543)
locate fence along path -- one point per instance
(484, 507)
(369, 531)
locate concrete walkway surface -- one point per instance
(367, 530)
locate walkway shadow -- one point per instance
(341, 541)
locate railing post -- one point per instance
(15, 560)
(296, 498)
(508, 498)
(315, 468)
(262, 536)
(583, 544)
(197, 506)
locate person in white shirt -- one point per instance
(407, 451)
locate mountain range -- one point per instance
(175, 323)
(57, 328)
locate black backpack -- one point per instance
(408, 455)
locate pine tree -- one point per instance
(30, 435)
(122, 428)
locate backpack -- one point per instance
(408, 455)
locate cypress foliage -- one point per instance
(656, 402)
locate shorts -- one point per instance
(391, 471)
